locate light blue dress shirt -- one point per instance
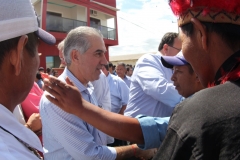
(154, 130)
(152, 92)
(119, 92)
(65, 136)
(127, 80)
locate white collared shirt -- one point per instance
(10, 147)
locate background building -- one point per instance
(60, 16)
(126, 58)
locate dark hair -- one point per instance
(110, 64)
(38, 76)
(106, 66)
(230, 33)
(48, 70)
(10, 44)
(168, 39)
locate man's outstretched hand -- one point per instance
(64, 95)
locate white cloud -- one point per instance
(141, 25)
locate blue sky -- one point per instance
(141, 25)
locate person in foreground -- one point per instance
(19, 62)
(205, 126)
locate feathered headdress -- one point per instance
(218, 11)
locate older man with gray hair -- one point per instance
(121, 70)
(66, 136)
(60, 47)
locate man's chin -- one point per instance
(96, 77)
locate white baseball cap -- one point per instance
(17, 18)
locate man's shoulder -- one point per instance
(128, 78)
(150, 61)
(116, 78)
(208, 106)
(149, 56)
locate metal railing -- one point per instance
(107, 32)
(59, 24)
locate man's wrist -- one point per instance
(28, 126)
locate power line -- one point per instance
(136, 24)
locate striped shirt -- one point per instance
(65, 136)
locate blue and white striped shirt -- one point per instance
(66, 136)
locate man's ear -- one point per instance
(197, 79)
(74, 56)
(201, 33)
(165, 49)
(17, 54)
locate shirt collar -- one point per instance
(77, 83)
(10, 123)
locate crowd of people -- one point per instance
(180, 103)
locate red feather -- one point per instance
(180, 6)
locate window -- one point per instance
(54, 22)
(53, 61)
(95, 23)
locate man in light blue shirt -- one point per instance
(121, 70)
(152, 92)
(119, 91)
(119, 97)
(66, 136)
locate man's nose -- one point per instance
(104, 60)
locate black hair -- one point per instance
(106, 66)
(110, 65)
(230, 33)
(168, 39)
(38, 76)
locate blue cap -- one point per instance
(170, 61)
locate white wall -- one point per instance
(37, 8)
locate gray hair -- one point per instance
(121, 64)
(61, 46)
(78, 39)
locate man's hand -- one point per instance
(34, 122)
(147, 154)
(65, 96)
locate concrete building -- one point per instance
(127, 58)
(58, 17)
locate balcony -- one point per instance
(64, 25)
(60, 24)
(108, 33)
